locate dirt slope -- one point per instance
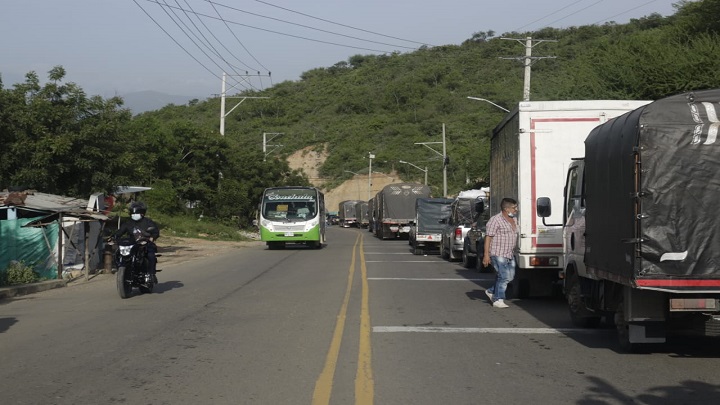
(309, 161)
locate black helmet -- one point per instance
(137, 207)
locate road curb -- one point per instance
(24, 289)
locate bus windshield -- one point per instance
(290, 204)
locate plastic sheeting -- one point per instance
(652, 179)
(430, 211)
(35, 246)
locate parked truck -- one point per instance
(395, 209)
(361, 214)
(426, 233)
(346, 213)
(531, 150)
(641, 232)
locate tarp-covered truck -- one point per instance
(396, 208)
(531, 150)
(361, 214)
(426, 233)
(642, 233)
(346, 213)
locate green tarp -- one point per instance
(29, 245)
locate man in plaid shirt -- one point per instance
(500, 242)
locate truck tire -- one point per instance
(623, 332)
(579, 314)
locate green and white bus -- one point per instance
(292, 214)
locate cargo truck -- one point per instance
(395, 209)
(426, 233)
(346, 213)
(641, 232)
(531, 150)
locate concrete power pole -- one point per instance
(223, 96)
(528, 60)
(265, 143)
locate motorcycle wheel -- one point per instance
(123, 284)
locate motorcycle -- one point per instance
(131, 261)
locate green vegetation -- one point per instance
(18, 273)
(58, 140)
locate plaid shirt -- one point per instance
(504, 237)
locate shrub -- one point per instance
(18, 272)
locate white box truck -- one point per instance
(530, 152)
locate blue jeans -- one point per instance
(505, 270)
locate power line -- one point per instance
(339, 24)
(167, 6)
(174, 40)
(219, 41)
(549, 15)
(627, 11)
(238, 39)
(309, 27)
(281, 33)
(572, 14)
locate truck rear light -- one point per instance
(458, 233)
(692, 304)
(544, 261)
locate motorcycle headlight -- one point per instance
(125, 250)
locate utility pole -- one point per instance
(265, 145)
(223, 96)
(371, 156)
(528, 60)
(444, 156)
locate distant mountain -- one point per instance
(149, 100)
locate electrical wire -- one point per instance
(339, 24)
(174, 40)
(549, 15)
(309, 27)
(626, 11)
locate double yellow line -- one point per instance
(364, 385)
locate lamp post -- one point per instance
(358, 184)
(488, 101)
(371, 156)
(417, 167)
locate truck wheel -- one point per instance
(579, 314)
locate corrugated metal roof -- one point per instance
(47, 202)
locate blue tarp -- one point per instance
(29, 245)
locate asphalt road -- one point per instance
(360, 321)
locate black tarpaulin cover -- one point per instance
(397, 201)
(663, 221)
(430, 211)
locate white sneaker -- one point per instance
(500, 304)
(489, 294)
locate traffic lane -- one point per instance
(250, 325)
(447, 348)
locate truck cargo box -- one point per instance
(653, 186)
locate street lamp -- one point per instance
(488, 101)
(356, 183)
(424, 170)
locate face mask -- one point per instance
(136, 217)
(511, 215)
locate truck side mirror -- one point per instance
(544, 207)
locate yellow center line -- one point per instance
(324, 383)
(364, 384)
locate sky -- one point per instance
(182, 47)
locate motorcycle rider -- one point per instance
(141, 226)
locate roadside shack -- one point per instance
(51, 233)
